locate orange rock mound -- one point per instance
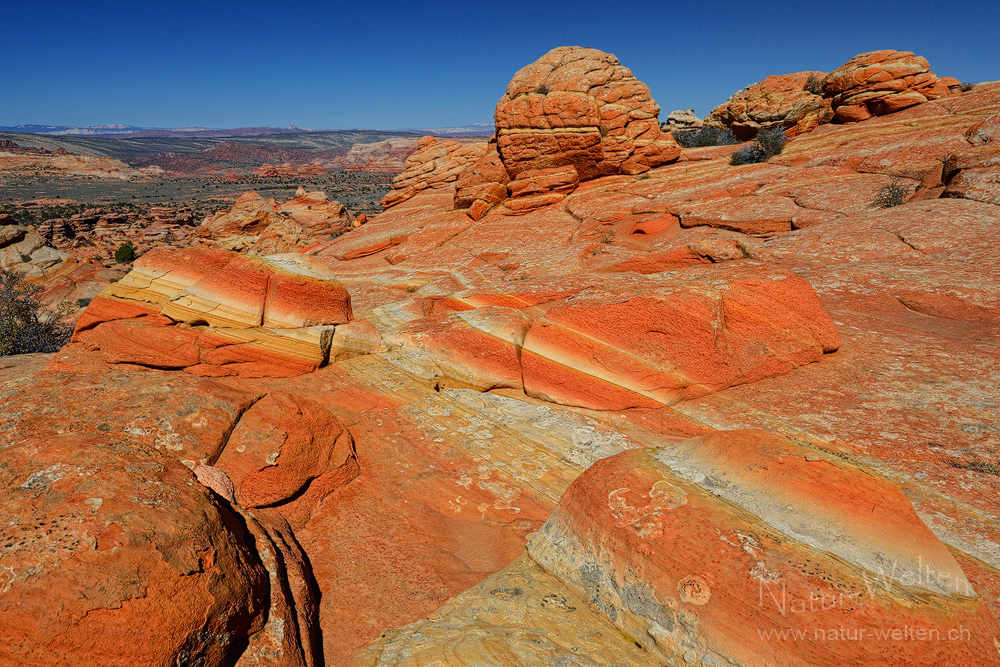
(213, 312)
(579, 107)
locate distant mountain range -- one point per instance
(131, 131)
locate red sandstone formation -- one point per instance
(7, 146)
(785, 101)
(97, 233)
(580, 108)
(213, 313)
(750, 534)
(66, 164)
(288, 170)
(870, 84)
(263, 225)
(357, 481)
(881, 82)
(437, 163)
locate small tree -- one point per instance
(125, 253)
(21, 330)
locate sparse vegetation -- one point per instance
(768, 143)
(814, 85)
(977, 465)
(967, 86)
(21, 329)
(705, 136)
(892, 194)
(608, 237)
(543, 90)
(125, 253)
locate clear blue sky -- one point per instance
(405, 64)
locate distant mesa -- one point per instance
(287, 170)
(7, 146)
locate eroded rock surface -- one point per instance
(374, 490)
(579, 107)
(266, 227)
(792, 102)
(212, 312)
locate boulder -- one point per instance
(114, 556)
(580, 107)
(437, 163)
(748, 548)
(280, 446)
(791, 102)
(881, 81)
(24, 250)
(681, 120)
(213, 312)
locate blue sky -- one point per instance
(401, 64)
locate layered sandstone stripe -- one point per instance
(213, 312)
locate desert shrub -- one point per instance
(21, 329)
(814, 85)
(967, 86)
(752, 153)
(766, 144)
(705, 136)
(892, 194)
(772, 140)
(542, 90)
(125, 253)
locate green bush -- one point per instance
(125, 253)
(21, 331)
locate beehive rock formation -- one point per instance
(881, 82)
(573, 115)
(437, 163)
(870, 84)
(784, 101)
(579, 107)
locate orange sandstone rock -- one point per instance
(107, 539)
(581, 108)
(213, 312)
(721, 541)
(883, 81)
(281, 445)
(435, 164)
(783, 101)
